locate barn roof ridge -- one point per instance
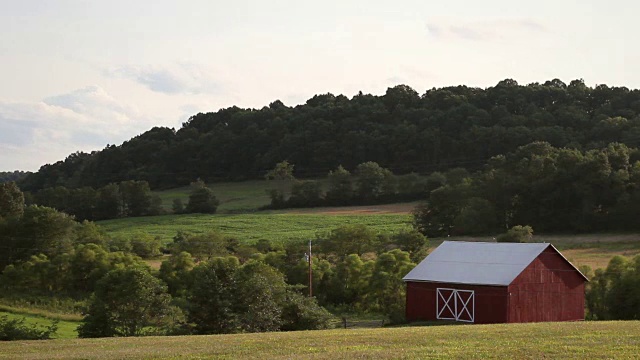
(479, 263)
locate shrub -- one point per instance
(16, 329)
(145, 246)
(517, 234)
(304, 313)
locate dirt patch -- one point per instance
(404, 208)
(156, 263)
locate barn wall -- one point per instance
(549, 289)
(491, 302)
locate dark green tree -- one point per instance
(260, 294)
(282, 177)
(108, 203)
(11, 200)
(373, 181)
(145, 245)
(202, 246)
(126, 302)
(306, 193)
(303, 313)
(211, 299)
(349, 239)
(202, 200)
(340, 188)
(176, 272)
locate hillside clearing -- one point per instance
(245, 196)
(577, 340)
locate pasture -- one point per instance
(571, 340)
(66, 328)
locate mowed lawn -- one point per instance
(66, 329)
(277, 227)
(573, 340)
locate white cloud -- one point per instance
(182, 78)
(491, 30)
(32, 134)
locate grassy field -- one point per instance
(235, 197)
(577, 340)
(274, 226)
(66, 329)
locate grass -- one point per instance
(66, 329)
(575, 340)
(274, 226)
(47, 307)
(235, 197)
(41, 313)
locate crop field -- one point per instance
(574, 340)
(274, 226)
(66, 329)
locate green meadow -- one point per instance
(571, 340)
(274, 226)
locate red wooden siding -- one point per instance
(549, 289)
(490, 301)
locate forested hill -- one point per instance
(401, 130)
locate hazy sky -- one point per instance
(81, 74)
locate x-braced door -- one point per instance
(453, 304)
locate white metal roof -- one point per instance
(476, 262)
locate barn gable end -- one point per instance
(549, 289)
(494, 283)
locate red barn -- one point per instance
(495, 283)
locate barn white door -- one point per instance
(454, 304)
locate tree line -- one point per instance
(369, 184)
(125, 199)
(613, 292)
(552, 189)
(401, 130)
(12, 176)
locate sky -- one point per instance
(77, 75)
